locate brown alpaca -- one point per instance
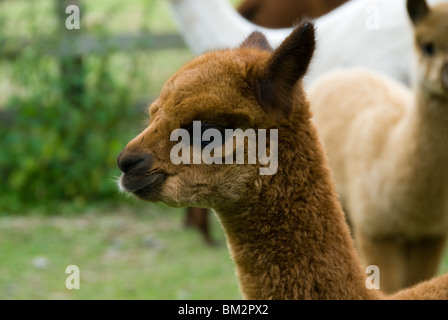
(286, 232)
(388, 148)
(271, 14)
(284, 13)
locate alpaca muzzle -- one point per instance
(131, 161)
(137, 174)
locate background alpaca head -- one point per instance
(430, 27)
(249, 87)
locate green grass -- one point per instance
(121, 255)
(141, 252)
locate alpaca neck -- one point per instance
(293, 242)
(420, 146)
(431, 118)
(431, 130)
(423, 133)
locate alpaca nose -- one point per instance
(128, 160)
(445, 76)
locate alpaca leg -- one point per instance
(198, 218)
(388, 255)
(204, 226)
(188, 217)
(402, 263)
(423, 258)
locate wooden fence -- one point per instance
(70, 47)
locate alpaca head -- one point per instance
(251, 87)
(431, 44)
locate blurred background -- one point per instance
(70, 100)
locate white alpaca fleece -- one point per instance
(373, 34)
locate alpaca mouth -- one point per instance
(146, 187)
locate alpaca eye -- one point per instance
(205, 127)
(428, 49)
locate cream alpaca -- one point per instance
(388, 148)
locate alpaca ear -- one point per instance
(417, 10)
(257, 40)
(287, 65)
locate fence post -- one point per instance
(71, 66)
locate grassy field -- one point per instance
(126, 253)
(141, 252)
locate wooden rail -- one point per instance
(87, 45)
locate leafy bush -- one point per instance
(60, 138)
(54, 150)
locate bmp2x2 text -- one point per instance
(239, 309)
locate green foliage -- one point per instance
(56, 150)
(63, 121)
(65, 128)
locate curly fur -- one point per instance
(286, 232)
